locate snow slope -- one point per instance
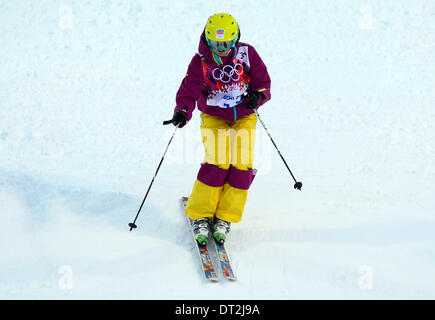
(85, 86)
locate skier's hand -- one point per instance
(179, 118)
(252, 99)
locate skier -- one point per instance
(227, 80)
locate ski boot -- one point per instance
(201, 230)
(221, 228)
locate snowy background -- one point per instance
(85, 85)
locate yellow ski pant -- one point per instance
(222, 184)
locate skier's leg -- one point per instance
(206, 192)
(241, 173)
(213, 172)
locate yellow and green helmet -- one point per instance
(221, 31)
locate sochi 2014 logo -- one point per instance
(228, 73)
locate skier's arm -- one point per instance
(190, 88)
(260, 80)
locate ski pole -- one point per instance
(298, 185)
(133, 225)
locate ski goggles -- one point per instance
(221, 45)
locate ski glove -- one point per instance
(178, 119)
(252, 99)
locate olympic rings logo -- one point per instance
(228, 73)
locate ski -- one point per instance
(227, 270)
(204, 255)
(221, 252)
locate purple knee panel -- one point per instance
(241, 179)
(214, 176)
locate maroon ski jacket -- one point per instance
(215, 84)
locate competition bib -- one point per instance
(227, 83)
